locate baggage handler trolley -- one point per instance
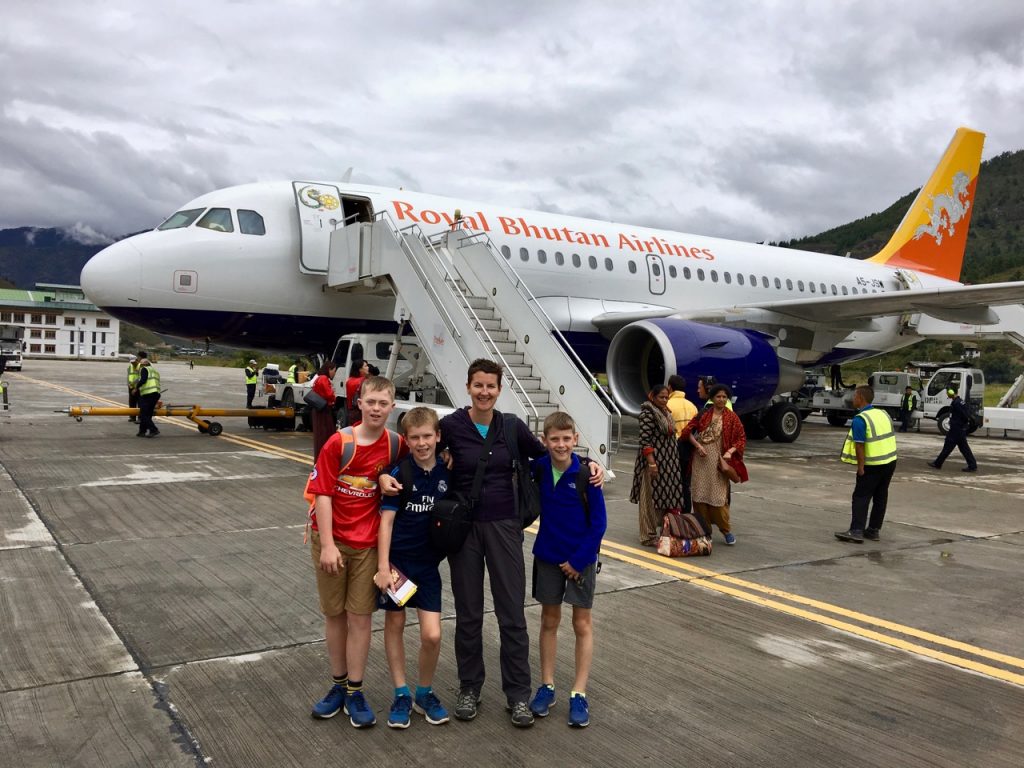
(194, 413)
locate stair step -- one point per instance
(520, 371)
(505, 347)
(495, 335)
(491, 324)
(478, 302)
(515, 360)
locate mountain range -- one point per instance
(995, 241)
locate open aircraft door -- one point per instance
(320, 211)
(910, 282)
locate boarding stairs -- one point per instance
(464, 301)
(1013, 394)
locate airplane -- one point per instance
(238, 266)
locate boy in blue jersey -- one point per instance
(403, 542)
(572, 523)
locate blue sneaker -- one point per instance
(431, 708)
(398, 717)
(358, 711)
(579, 711)
(330, 704)
(730, 539)
(543, 701)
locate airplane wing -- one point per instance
(971, 304)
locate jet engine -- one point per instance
(647, 352)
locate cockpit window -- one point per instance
(181, 219)
(217, 219)
(250, 223)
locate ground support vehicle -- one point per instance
(194, 413)
(12, 345)
(889, 387)
(1003, 420)
(968, 382)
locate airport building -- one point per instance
(60, 322)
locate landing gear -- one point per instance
(782, 422)
(836, 418)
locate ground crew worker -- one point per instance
(956, 437)
(293, 372)
(908, 404)
(133, 384)
(149, 394)
(871, 445)
(251, 377)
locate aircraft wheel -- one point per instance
(836, 418)
(943, 422)
(215, 428)
(203, 430)
(783, 422)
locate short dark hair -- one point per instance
(142, 354)
(676, 382)
(866, 392)
(655, 391)
(483, 365)
(325, 369)
(559, 420)
(720, 388)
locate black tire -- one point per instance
(836, 418)
(783, 422)
(804, 413)
(753, 427)
(202, 430)
(942, 422)
(215, 428)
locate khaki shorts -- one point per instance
(352, 589)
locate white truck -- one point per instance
(405, 366)
(12, 346)
(889, 386)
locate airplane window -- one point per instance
(764, 280)
(834, 291)
(753, 281)
(739, 277)
(778, 283)
(728, 278)
(700, 275)
(845, 292)
(524, 254)
(542, 257)
(855, 291)
(789, 284)
(592, 262)
(608, 264)
(506, 252)
(823, 289)
(250, 223)
(655, 270)
(181, 219)
(672, 270)
(714, 276)
(576, 260)
(686, 272)
(812, 287)
(217, 219)
(632, 267)
(559, 258)
(800, 285)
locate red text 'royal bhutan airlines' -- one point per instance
(242, 265)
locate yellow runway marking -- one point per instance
(748, 591)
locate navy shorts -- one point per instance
(551, 587)
(427, 578)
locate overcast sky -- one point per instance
(755, 121)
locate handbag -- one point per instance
(684, 535)
(315, 400)
(451, 519)
(734, 469)
(525, 492)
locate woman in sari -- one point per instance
(716, 433)
(657, 480)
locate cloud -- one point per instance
(775, 122)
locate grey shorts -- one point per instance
(551, 587)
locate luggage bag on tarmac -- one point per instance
(683, 535)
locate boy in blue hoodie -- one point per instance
(572, 523)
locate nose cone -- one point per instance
(110, 279)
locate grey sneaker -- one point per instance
(856, 537)
(522, 717)
(466, 704)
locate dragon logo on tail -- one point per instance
(947, 209)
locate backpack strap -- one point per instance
(406, 478)
(348, 448)
(394, 444)
(582, 483)
(511, 429)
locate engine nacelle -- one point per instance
(647, 352)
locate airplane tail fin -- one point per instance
(933, 234)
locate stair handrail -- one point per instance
(524, 290)
(442, 265)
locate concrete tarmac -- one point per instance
(158, 608)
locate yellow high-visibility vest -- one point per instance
(880, 445)
(133, 375)
(152, 382)
(251, 375)
(291, 374)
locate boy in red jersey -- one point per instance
(344, 547)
